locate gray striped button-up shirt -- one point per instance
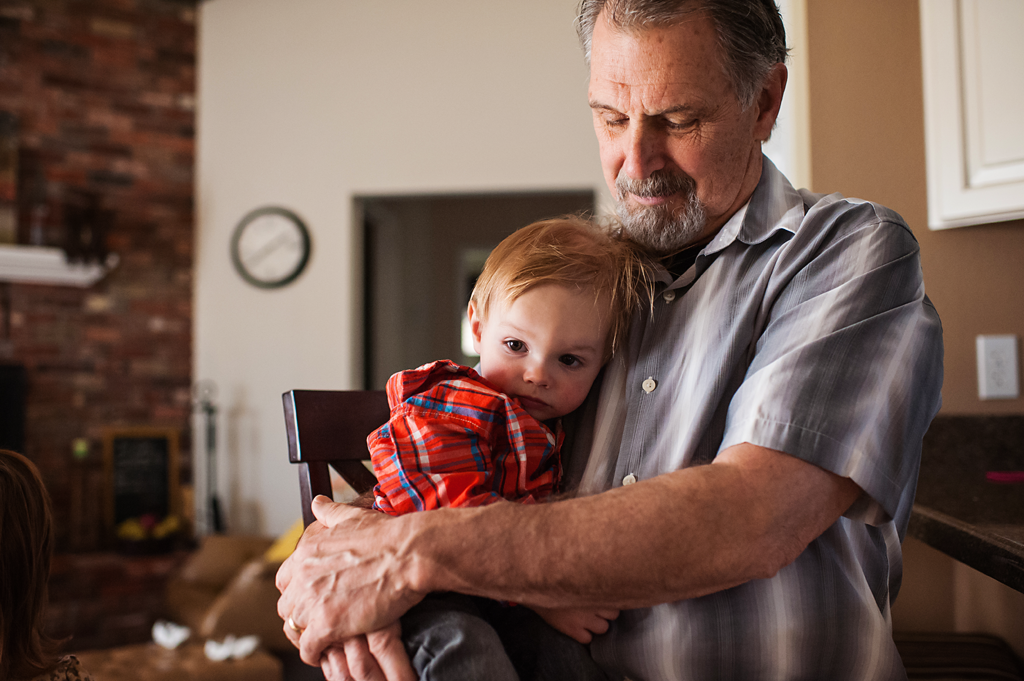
(803, 327)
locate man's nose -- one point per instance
(644, 152)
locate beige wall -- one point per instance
(867, 140)
(940, 594)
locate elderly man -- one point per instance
(747, 474)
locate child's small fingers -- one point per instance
(583, 636)
(608, 614)
(598, 625)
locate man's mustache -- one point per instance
(660, 183)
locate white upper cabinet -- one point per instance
(973, 58)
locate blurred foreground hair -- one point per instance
(26, 545)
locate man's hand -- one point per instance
(578, 623)
(378, 656)
(344, 579)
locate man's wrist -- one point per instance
(435, 546)
(420, 539)
(458, 549)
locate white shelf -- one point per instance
(44, 265)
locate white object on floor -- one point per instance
(170, 635)
(231, 647)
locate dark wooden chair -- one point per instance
(329, 427)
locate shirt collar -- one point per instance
(774, 206)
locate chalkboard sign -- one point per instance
(141, 467)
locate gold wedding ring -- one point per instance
(294, 627)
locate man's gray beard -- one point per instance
(661, 229)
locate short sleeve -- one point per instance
(847, 371)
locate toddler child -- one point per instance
(553, 301)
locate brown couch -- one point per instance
(227, 587)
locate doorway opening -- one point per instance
(422, 255)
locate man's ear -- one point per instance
(476, 323)
(769, 101)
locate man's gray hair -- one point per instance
(750, 32)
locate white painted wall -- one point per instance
(305, 103)
(790, 144)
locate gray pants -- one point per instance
(452, 637)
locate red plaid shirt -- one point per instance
(455, 440)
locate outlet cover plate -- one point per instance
(997, 367)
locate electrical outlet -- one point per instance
(997, 367)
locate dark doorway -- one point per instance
(422, 255)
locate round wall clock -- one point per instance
(270, 247)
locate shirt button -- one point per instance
(649, 385)
(669, 296)
(629, 479)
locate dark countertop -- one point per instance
(961, 513)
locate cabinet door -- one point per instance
(973, 63)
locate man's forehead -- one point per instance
(695, 26)
(651, 66)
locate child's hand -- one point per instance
(578, 623)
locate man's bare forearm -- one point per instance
(676, 536)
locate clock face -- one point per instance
(270, 247)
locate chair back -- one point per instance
(329, 428)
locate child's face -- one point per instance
(544, 349)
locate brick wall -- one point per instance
(102, 600)
(104, 93)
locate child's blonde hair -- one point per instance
(574, 252)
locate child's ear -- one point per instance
(475, 326)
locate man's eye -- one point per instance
(680, 124)
(613, 119)
(515, 345)
(570, 360)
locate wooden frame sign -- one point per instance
(141, 474)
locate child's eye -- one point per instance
(570, 360)
(515, 345)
